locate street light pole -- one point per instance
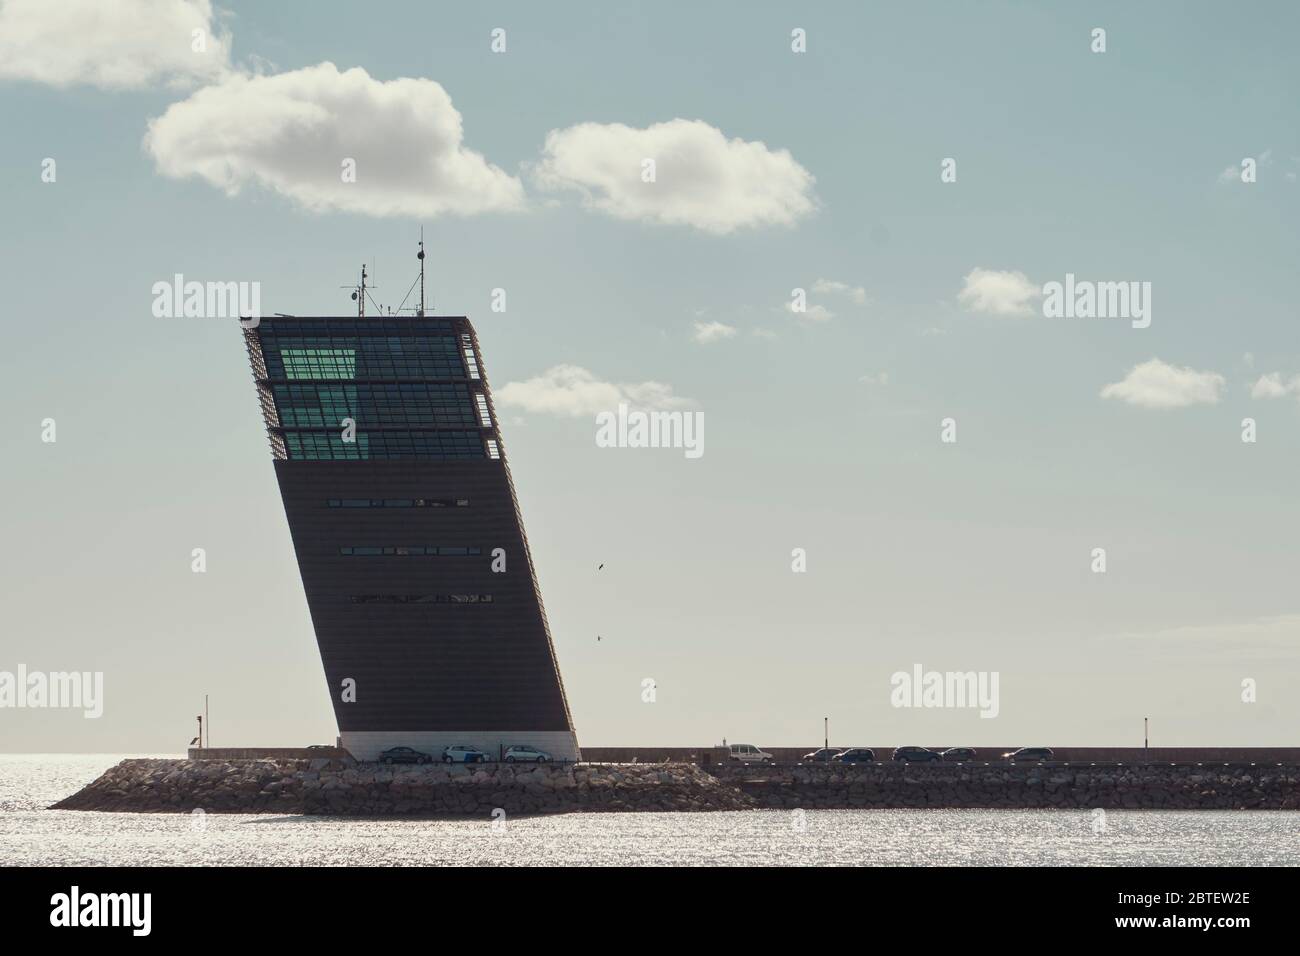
(1146, 739)
(826, 728)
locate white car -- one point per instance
(748, 753)
(524, 754)
(462, 753)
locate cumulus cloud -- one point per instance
(1156, 384)
(292, 133)
(706, 332)
(111, 44)
(998, 293)
(811, 313)
(1232, 174)
(701, 178)
(1272, 386)
(1260, 636)
(570, 390)
(832, 287)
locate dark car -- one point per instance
(958, 753)
(855, 755)
(1028, 754)
(403, 755)
(915, 755)
(821, 755)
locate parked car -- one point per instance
(1030, 753)
(462, 753)
(522, 754)
(915, 755)
(748, 753)
(403, 755)
(821, 755)
(855, 755)
(958, 753)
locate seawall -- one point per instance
(1019, 786)
(715, 756)
(344, 787)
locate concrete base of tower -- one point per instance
(562, 745)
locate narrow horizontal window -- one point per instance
(398, 502)
(421, 599)
(406, 551)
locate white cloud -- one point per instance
(879, 379)
(832, 287)
(1272, 386)
(1262, 635)
(1232, 174)
(291, 133)
(706, 332)
(111, 44)
(811, 313)
(573, 391)
(702, 179)
(1156, 384)
(999, 293)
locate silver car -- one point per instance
(524, 754)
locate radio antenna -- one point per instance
(359, 293)
(421, 258)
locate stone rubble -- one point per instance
(345, 787)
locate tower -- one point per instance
(408, 534)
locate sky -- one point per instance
(794, 149)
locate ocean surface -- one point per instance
(32, 835)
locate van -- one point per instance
(748, 753)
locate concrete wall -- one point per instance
(260, 753)
(783, 755)
(368, 749)
(367, 745)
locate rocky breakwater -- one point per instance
(1006, 786)
(345, 787)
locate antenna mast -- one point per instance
(421, 258)
(361, 299)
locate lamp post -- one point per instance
(826, 728)
(1146, 739)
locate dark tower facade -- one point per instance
(408, 534)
